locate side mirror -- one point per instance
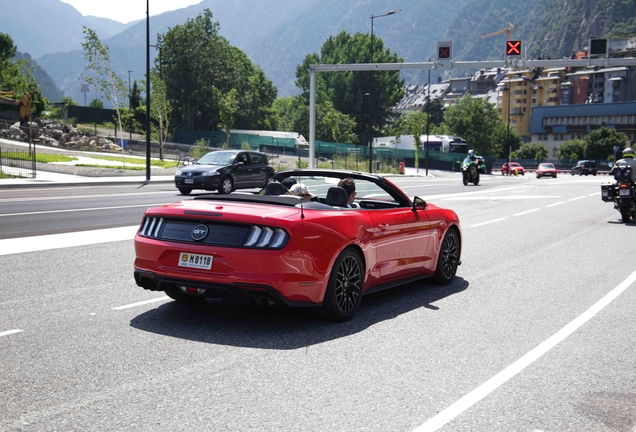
(419, 204)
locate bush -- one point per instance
(200, 148)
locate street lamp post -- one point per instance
(370, 107)
(147, 90)
(129, 102)
(507, 88)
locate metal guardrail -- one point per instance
(19, 163)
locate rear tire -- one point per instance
(625, 214)
(344, 291)
(448, 258)
(476, 181)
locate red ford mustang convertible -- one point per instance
(315, 250)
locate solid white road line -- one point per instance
(74, 197)
(10, 332)
(158, 299)
(84, 209)
(58, 241)
(577, 198)
(447, 415)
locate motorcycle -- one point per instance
(471, 168)
(621, 193)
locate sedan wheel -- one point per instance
(448, 259)
(226, 185)
(344, 292)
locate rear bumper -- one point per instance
(235, 293)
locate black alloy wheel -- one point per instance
(344, 291)
(448, 259)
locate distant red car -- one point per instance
(546, 170)
(513, 166)
(261, 250)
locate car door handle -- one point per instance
(383, 227)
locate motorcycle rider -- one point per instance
(627, 161)
(470, 158)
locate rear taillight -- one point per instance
(624, 186)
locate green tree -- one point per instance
(415, 124)
(475, 120)
(195, 59)
(435, 108)
(96, 103)
(7, 50)
(227, 111)
(160, 108)
(101, 75)
(571, 150)
(135, 96)
(599, 144)
(366, 97)
(334, 125)
(534, 151)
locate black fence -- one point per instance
(19, 163)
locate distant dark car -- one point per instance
(546, 170)
(584, 167)
(514, 166)
(225, 171)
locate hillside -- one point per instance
(278, 34)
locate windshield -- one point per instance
(546, 166)
(217, 158)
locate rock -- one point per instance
(15, 131)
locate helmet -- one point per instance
(471, 153)
(628, 152)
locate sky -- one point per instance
(125, 11)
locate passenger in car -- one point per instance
(301, 190)
(350, 187)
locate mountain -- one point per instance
(47, 85)
(105, 27)
(41, 27)
(278, 34)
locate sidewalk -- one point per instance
(46, 178)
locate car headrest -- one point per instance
(275, 188)
(336, 196)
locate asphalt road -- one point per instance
(536, 333)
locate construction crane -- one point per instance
(507, 30)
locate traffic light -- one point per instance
(444, 50)
(598, 46)
(513, 48)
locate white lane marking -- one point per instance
(499, 198)
(595, 193)
(486, 223)
(85, 209)
(132, 305)
(448, 414)
(555, 204)
(494, 190)
(73, 197)
(526, 212)
(577, 198)
(10, 332)
(66, 240)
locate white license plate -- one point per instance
(604, 193)
(188, 181)
(195, 260)
(624, 192)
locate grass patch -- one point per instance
(39, 157)
(127, 167)
(7, 176)
(129, 160)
